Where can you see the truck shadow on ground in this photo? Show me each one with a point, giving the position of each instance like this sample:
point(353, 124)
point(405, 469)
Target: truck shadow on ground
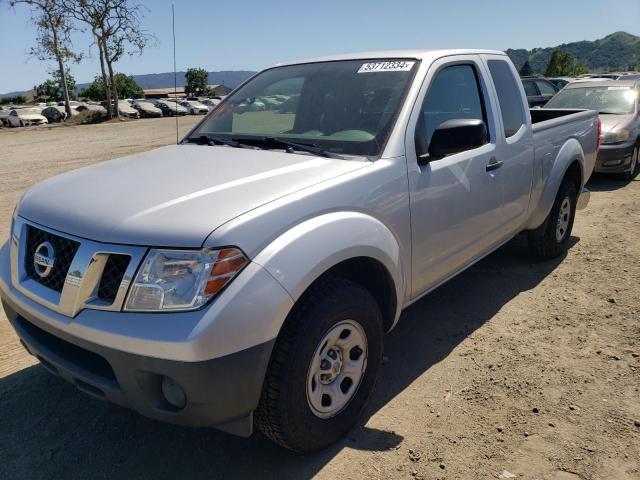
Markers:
point(600, 182)
point(51, 430)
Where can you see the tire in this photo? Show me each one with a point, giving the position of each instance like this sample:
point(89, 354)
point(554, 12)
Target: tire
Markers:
point(552, 238)
point(21, 123)
point(286, 413)
point(633, 168)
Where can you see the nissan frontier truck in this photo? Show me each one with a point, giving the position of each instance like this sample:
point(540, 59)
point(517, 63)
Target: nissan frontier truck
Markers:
point(247, 275)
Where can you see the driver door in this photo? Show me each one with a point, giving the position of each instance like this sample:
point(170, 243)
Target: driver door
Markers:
point(455, 201)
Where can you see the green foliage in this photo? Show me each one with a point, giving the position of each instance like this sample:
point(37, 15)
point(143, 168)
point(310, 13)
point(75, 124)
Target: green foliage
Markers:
point(579, 69)
point(51, 88)
point(613, 52)
point(13, 100)
point(125, 84)
point(526, 70)
point(560, 64)
point(197, 80)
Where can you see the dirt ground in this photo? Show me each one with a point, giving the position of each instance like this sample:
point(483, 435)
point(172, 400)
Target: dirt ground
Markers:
point(515, 366)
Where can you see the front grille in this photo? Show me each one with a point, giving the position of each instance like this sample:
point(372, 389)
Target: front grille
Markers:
point(65, 250)
point(112, 276)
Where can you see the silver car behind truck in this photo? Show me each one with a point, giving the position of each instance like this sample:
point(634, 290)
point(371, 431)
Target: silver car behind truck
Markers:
point(248, 275)
point(618, 102)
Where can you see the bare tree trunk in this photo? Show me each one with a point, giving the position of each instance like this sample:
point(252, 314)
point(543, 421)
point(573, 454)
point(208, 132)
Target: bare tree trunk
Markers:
point(105, 79)
point(114, 87)
point(63, 73)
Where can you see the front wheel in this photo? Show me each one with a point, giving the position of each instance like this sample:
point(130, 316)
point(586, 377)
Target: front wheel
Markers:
point(323, 368)
point(551, 239)
point(633, 168)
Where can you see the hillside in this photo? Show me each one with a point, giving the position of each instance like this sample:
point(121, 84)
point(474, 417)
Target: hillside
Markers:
point(231, 78)
point(618, 51)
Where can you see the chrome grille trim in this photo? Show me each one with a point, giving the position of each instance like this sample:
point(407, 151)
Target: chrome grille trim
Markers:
point(80, 290)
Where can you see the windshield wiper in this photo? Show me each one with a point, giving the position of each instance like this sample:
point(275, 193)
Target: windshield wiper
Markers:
point(610, 113)
point(292, 146)
point(207, 140)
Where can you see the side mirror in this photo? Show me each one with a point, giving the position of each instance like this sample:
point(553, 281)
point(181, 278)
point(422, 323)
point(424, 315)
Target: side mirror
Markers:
point(454, 136)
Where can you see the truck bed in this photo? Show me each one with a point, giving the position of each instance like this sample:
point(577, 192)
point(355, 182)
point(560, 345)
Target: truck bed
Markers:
point(542, 118)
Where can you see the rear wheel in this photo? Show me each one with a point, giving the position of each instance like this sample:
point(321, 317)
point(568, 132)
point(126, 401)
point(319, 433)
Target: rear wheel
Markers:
point(552, 238)
point(323, 368)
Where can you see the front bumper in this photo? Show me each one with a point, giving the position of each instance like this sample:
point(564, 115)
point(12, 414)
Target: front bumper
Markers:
point(614, 158)
point(218, 355)
point(222, 392)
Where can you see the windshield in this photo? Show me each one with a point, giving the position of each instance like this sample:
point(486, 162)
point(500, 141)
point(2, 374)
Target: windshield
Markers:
point(345, 107)
point(604, 99)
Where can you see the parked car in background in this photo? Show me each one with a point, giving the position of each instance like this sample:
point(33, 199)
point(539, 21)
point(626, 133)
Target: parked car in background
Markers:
point(539, 90)
point(57, 114)
point(606, 76)
point(72, 103)
point(194, 107)
point(91, 107)
point(617, 103)
point(560, 82)
point(23, 117)
point(249, 274)
point(211, 102)
point(146, 109)
point(171, 108)
point(125, 109)
point(4, 114)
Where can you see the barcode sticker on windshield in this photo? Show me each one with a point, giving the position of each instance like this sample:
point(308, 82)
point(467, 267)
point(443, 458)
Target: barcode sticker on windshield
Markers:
point(397, 66)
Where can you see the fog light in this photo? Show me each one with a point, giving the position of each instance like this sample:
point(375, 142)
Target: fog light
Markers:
point(611, 163)
point(173, 393)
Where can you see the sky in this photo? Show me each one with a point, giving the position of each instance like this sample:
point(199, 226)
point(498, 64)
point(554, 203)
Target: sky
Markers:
point(251, 35)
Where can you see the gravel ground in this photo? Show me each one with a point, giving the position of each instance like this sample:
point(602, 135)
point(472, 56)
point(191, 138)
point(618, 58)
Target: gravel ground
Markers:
point(515, 366)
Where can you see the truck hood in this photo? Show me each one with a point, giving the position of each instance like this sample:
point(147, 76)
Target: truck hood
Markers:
point(611, 122)
point(172, 196)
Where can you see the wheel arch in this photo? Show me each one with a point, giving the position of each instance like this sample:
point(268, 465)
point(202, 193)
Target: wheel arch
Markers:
point(350, 245)
point(569, 163)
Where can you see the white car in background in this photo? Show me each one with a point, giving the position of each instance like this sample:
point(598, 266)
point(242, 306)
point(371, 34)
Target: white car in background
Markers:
point(211, 102)
point(22, 117)
point(194, 107)
point(146, 109)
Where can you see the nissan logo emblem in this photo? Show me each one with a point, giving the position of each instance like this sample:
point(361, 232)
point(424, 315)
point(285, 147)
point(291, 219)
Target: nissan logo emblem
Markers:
point(43, 259)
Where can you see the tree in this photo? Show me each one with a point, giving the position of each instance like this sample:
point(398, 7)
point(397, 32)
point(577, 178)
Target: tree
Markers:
point(116, 26)
point(560, 64)
point(50, 89)
point(53, 40)
point(197, 82)
point(526, 70)
point(126, 87)
point(579, 68)
point(17, 100)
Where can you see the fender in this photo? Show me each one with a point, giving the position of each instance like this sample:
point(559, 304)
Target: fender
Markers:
point(303, 253)
point(570, 151)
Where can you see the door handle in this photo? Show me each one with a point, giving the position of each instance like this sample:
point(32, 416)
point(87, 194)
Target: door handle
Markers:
point(493, 164)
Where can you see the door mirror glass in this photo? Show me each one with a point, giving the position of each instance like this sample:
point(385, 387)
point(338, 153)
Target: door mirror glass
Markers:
point(457, 135)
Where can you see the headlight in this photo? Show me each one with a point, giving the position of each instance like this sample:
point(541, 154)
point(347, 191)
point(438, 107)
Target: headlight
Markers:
point(172, 280)
point(614, 136)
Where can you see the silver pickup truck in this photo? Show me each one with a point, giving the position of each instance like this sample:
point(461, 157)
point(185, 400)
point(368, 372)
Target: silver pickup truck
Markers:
point(247, 275)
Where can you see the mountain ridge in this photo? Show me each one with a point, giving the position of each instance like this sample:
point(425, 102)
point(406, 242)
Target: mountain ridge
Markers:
point(616, 51)
point(231, 78)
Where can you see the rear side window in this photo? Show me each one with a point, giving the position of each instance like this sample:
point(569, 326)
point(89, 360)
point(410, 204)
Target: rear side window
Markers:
point(530, 88)
point(545, 88)
point(453, 94)
point(508, 96)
